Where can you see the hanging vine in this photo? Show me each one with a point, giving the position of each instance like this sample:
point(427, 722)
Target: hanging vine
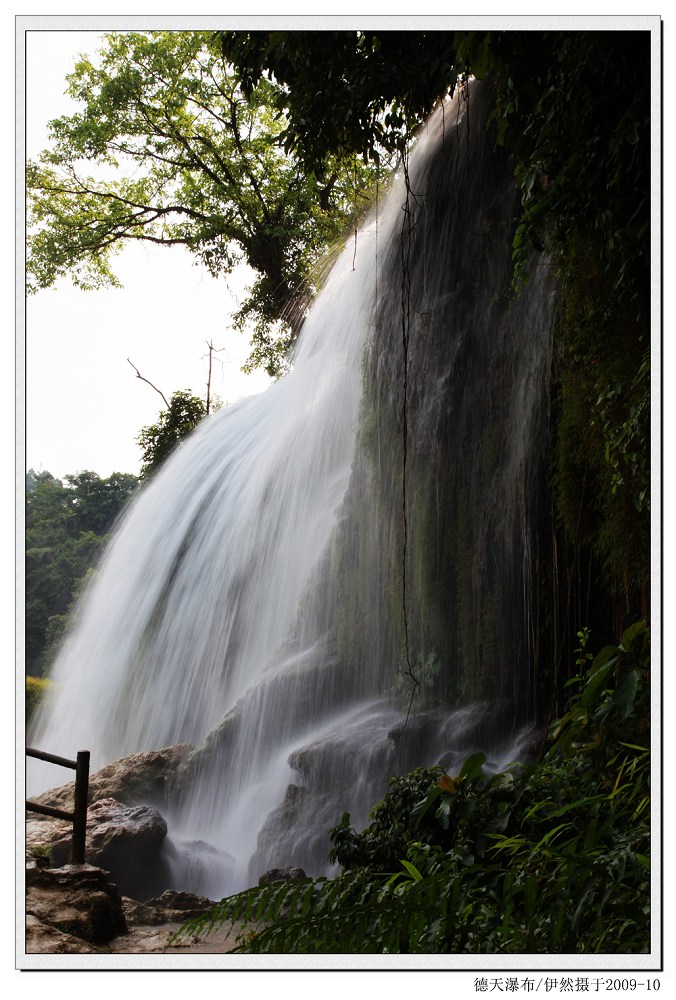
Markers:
point(406, 239)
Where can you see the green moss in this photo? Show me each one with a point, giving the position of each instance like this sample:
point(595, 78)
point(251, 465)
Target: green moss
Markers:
point(36, 689)
point(602, 470)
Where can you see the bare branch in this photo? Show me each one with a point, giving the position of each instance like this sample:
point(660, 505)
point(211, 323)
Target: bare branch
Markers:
point(212, 350)
point(143, 379)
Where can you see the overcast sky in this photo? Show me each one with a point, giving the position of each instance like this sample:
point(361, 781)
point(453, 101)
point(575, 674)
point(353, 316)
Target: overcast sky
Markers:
point(84, 404)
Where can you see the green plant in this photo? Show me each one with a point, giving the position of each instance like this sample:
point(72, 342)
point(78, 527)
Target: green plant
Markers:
point(41, 854)
point(390, 831)
point(613, 688)
point(165, 148)
point(547, 857)
point(67, 526)
point(157, 441)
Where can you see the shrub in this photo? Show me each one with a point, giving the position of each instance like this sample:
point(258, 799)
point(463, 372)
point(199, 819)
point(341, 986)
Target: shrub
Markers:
point(549, 857)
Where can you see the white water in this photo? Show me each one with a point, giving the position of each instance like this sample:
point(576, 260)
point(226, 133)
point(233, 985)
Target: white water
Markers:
point(201, 585)
point(190, 618)
point(202, 582)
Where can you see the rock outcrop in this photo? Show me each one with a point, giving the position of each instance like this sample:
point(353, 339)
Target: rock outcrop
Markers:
point(125, 831)
point(287, 874)
point(138, 779)
point(44, 939)
point(71, 906)
point(119, 901)
point(171, 907)
point(77, 910)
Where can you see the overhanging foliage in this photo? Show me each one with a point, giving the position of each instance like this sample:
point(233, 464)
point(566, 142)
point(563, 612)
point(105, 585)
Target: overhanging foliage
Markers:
point(182, 158)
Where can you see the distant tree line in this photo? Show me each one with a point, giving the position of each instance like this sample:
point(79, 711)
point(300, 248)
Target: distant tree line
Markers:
point(67, 525)
point(69, 521)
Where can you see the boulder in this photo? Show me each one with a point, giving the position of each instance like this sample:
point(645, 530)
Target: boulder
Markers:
point(127, 841)
point(138, 779)
point(287, 874)
point(41, 833)
point(278, 838)
point(77, 902)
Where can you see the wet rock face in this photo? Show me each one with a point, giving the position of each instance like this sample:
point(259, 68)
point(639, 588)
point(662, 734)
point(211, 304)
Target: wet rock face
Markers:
point(71, 908)
point(126, 841)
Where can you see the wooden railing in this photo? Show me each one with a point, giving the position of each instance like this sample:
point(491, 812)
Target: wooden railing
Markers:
point(78, 816)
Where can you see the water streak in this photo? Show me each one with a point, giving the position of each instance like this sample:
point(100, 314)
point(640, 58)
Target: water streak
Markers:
point(250, 602)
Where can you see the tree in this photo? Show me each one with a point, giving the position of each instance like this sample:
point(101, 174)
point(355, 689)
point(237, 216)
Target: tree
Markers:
point(158, 440)
point(96, 502)
point(183, 158)
point(348, 92)
point(66, 529)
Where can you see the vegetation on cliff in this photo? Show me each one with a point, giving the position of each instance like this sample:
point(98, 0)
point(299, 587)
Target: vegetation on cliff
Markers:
point(573, 110)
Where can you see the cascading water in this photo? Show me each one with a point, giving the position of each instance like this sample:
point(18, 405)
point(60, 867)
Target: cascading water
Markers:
point(252, 602)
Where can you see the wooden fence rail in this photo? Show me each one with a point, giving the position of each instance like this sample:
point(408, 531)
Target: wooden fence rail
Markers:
point(79, 814)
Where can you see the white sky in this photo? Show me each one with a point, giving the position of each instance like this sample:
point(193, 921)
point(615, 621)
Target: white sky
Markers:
point(84, 404)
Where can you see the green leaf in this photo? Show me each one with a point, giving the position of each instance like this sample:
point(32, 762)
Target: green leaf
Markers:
point(412, 870)
point(625, 693)
point(630, 635)
point(420, 808)
point(444, 812)
point(472, 768)
point(596, 681)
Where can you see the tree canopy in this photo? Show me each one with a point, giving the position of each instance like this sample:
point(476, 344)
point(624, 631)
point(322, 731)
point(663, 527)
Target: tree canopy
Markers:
point(178, 155)
point(347, 92)
point(158, 440)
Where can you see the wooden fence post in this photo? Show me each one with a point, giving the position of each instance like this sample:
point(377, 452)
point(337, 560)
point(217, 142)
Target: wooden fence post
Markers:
point(78, 817)
point(80, 808)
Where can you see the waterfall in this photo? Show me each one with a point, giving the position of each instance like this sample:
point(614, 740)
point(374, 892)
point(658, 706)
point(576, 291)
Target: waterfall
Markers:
point(252, 601)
